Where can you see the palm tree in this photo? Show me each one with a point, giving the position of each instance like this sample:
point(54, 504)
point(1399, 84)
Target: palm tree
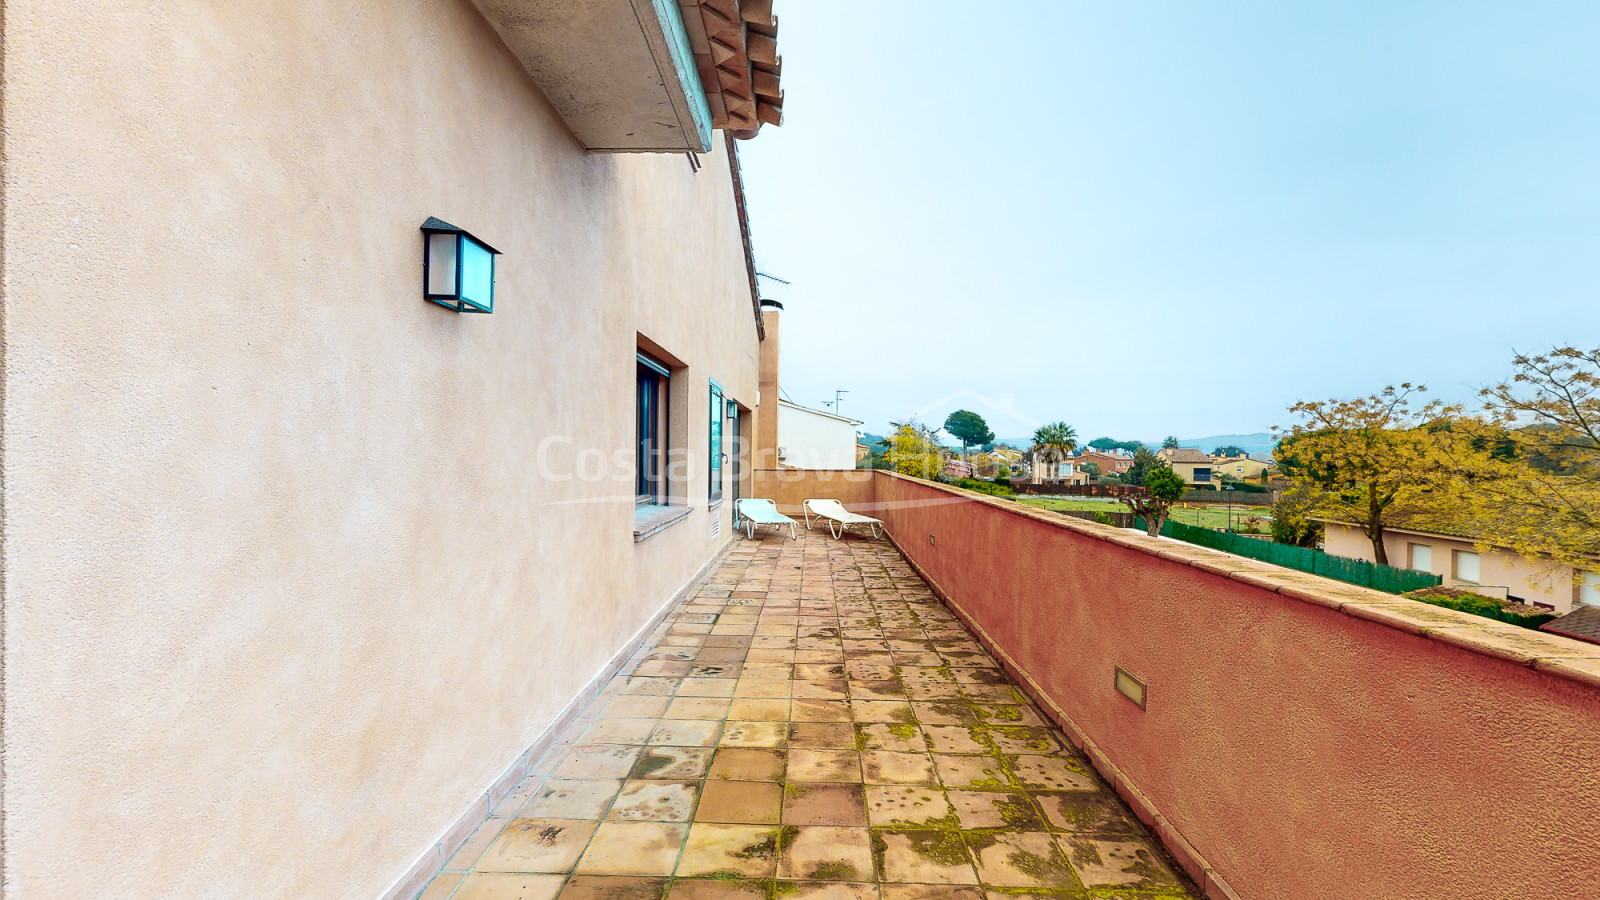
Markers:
point(1057, 436)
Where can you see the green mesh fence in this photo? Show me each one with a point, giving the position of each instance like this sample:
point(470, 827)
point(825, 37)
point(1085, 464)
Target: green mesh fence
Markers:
point(1305, 559)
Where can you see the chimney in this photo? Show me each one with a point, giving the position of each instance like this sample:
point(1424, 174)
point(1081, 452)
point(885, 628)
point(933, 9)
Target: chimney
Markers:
point(766, 436)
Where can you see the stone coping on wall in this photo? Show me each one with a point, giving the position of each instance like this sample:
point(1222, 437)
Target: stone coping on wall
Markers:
point(1559, 656)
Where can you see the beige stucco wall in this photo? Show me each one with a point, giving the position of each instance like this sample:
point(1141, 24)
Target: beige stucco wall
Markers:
point(1532, 581)
point(286, 585)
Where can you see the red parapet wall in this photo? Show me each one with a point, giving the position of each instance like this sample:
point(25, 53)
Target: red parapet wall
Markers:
point(1301, 738)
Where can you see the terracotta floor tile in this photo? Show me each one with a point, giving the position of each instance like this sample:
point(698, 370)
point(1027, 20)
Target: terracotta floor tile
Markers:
point(882, 711)
point(826, 890)
point(892, 736)
point(971, 772)
point(826, 853)
point(492, 886)
point(619, 731)
point(1121, 863)
point(597, 761)
point(957, 739)
point(996, 809)
point(747, 851)
point(824, 765)
point(759, 710)
point(932, 892)
point(908, 806)
point(1007, 714)
point(877, 690)
point(718, 889)
point(1087, 812)
point(819, 711)
point(537, 845)
point(627, 706)
point(817, 686)
point(822, 736)
point(707, 687)
point(654, 801)
point(686, 733)
point(749, 688)
point(754, 734)
point(923, 857)
point(741, 764)
point(824, 804)
point(467, 855)
point(945, 712)
point(884, 767)
point(654, 687)
point(698, 708)
point(740, 802)
point(1023, 859)
point(441, 886)
point(633, 848)
point(1053, 773)
point(614, 887)
point(1025, 739)
point(820, 690)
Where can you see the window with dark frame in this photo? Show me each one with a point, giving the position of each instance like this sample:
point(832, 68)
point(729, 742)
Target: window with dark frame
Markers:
point(715, 444)
point(652, 430)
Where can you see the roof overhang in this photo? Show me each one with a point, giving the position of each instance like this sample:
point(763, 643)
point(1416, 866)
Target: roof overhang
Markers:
point(648, 76)
point(620, 72)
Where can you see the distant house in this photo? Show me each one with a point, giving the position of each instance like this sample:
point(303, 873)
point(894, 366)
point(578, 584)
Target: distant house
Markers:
point(1493, 571)
point(812, 439)
point(955, 467)
point(1192, 465)
point(1051, 466)
point(1238, 468)
point(1110, 463)
point(862, 451)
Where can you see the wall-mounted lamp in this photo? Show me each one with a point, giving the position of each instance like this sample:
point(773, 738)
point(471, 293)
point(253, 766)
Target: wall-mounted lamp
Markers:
point(1129, 686)
point(457, 268)
point(733, 408)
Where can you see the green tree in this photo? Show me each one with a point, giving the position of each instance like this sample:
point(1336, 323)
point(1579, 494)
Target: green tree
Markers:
point(1106, 445)
point(914, 450)
point(1171, 443)
point(1290, 522)
point(1143, 463)
point(1058, 436)
point(969, 428)
point(1092, 469)
point(1543, 433)
point(1163, 488)
point(1229, 450)
point(1375, 460)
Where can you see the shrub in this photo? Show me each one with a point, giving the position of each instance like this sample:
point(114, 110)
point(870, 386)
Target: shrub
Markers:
point(1479, 605)
point(986, 487)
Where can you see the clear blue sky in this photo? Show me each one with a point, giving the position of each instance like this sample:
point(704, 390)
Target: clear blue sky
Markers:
point(1174, 217)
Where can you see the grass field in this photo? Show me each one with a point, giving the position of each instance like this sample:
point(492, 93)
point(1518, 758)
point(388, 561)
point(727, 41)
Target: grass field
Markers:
point(1057, 504)
point(1217, 516)
point(1203, 516)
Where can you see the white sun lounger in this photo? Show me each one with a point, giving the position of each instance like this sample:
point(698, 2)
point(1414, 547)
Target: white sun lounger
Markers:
point(763, 512)
point(839, 519)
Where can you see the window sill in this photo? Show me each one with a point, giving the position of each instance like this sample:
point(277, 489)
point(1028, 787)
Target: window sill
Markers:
point(715, 505)
point(649, 520)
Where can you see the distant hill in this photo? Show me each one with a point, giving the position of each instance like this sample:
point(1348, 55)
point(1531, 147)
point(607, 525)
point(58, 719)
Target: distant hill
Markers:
point(1260, 442)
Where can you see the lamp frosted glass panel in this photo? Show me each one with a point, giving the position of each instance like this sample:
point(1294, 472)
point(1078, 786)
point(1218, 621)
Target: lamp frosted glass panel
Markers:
point(477, 275)
point(1422, 557)
point(1466, 566)
point(441, 265)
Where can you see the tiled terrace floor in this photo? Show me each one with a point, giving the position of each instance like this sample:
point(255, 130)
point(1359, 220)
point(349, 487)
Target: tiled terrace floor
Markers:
point(812, 723)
